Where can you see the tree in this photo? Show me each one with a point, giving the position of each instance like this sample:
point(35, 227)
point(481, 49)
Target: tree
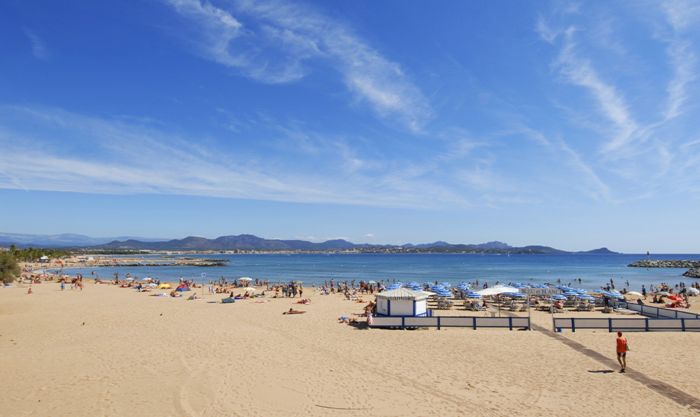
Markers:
point(9, 268)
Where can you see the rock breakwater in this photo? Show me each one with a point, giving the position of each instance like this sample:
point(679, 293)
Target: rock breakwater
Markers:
point(692, 266)
point(692, 273)
point(664, 263)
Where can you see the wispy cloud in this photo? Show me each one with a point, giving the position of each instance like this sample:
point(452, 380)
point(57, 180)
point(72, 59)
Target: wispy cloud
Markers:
point(594, 185)
point(276, 42)
point(38, 47)
point(119, 157)
point(580, 71)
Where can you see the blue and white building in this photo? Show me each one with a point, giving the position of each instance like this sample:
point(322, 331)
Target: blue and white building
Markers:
point(402, 302)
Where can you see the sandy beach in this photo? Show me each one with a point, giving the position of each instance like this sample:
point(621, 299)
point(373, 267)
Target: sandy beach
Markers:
point(109, 351)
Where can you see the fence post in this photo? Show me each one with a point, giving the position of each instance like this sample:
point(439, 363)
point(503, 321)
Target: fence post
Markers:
point(474, 322)
point(510, 323)
point(438, 322)
point(683, 324)
point(403, 322)
point(646, 324)
point(609, 325)
point(573, 325)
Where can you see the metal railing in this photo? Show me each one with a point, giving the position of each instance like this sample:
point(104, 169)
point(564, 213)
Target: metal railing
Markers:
point(645, 324)
point(658, 312)
point(440, 322)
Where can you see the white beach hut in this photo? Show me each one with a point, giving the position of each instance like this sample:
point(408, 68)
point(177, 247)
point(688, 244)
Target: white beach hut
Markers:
point(402, 302)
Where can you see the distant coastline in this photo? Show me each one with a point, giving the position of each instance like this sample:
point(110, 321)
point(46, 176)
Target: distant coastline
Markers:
point(247, 244)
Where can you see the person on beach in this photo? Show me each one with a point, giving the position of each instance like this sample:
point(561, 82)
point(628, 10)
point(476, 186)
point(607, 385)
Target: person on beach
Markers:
point(622, 348)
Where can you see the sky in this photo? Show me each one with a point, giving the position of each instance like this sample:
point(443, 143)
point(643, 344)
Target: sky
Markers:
point(570, 124)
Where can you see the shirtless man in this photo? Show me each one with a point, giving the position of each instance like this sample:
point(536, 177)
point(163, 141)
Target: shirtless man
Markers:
point(622, 348)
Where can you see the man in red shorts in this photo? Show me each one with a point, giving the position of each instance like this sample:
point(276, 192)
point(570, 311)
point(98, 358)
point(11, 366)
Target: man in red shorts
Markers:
point(622, 348)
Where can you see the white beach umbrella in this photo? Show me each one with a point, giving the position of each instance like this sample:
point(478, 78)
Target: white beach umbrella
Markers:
point(245, 279)
point(693, 291)
point(499, 289)
point(633, 294)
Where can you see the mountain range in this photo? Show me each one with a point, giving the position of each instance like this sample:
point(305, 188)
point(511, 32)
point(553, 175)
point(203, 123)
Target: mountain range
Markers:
point(246, 242)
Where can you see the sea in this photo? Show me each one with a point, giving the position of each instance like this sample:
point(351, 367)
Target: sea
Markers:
point(593, 270)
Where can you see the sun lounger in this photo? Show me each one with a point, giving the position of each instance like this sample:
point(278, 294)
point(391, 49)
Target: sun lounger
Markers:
point(625, 311)
point(544, 306)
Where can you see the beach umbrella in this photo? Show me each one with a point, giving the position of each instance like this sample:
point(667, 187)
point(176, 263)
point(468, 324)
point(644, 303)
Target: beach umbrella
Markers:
point(129, 279)
point(248, 279)
point(586, 297)
point(446, 284)
point(633, 294)
point(693, 291)
point(472, 294)
point(499, 289)
point(371, 282)
point(558, 297)
point(514, 295)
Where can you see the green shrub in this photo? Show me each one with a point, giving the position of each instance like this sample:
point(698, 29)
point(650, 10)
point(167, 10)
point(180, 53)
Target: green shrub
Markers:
point(9, 268)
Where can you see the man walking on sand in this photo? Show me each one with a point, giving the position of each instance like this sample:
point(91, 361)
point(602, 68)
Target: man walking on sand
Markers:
point(622, 348)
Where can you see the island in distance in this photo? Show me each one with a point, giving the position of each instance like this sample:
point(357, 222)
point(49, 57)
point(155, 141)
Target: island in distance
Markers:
point(247, 242)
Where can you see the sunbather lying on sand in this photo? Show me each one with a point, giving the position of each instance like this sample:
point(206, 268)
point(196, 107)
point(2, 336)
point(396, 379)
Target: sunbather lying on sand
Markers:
point(292, 311)
point(347, 320)
point(304, 301)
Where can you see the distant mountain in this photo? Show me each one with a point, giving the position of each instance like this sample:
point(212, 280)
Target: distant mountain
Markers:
point(59, 240)
point(247, 242)
point(601, 251)
point(238, 242)
point(251, 242)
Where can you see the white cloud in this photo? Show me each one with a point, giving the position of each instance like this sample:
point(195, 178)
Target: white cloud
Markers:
point(545, 32)
point(38, 47)
point(682, 14)
point(274, 42)
point(118, 157)
point(611, 104)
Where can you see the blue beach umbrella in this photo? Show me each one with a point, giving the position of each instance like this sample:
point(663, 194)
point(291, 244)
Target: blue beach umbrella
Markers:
point(558, 297)
point(514, 295)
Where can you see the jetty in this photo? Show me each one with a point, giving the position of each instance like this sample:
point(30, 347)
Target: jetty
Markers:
point(693, 267)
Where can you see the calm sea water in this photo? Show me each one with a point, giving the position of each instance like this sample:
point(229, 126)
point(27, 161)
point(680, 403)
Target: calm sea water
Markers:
point(594, 270)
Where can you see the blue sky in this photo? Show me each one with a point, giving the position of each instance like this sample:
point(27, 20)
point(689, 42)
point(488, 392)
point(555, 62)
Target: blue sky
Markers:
point(568, 124)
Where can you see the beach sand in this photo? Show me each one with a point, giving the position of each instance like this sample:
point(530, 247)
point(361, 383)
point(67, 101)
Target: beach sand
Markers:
point(108, 351)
